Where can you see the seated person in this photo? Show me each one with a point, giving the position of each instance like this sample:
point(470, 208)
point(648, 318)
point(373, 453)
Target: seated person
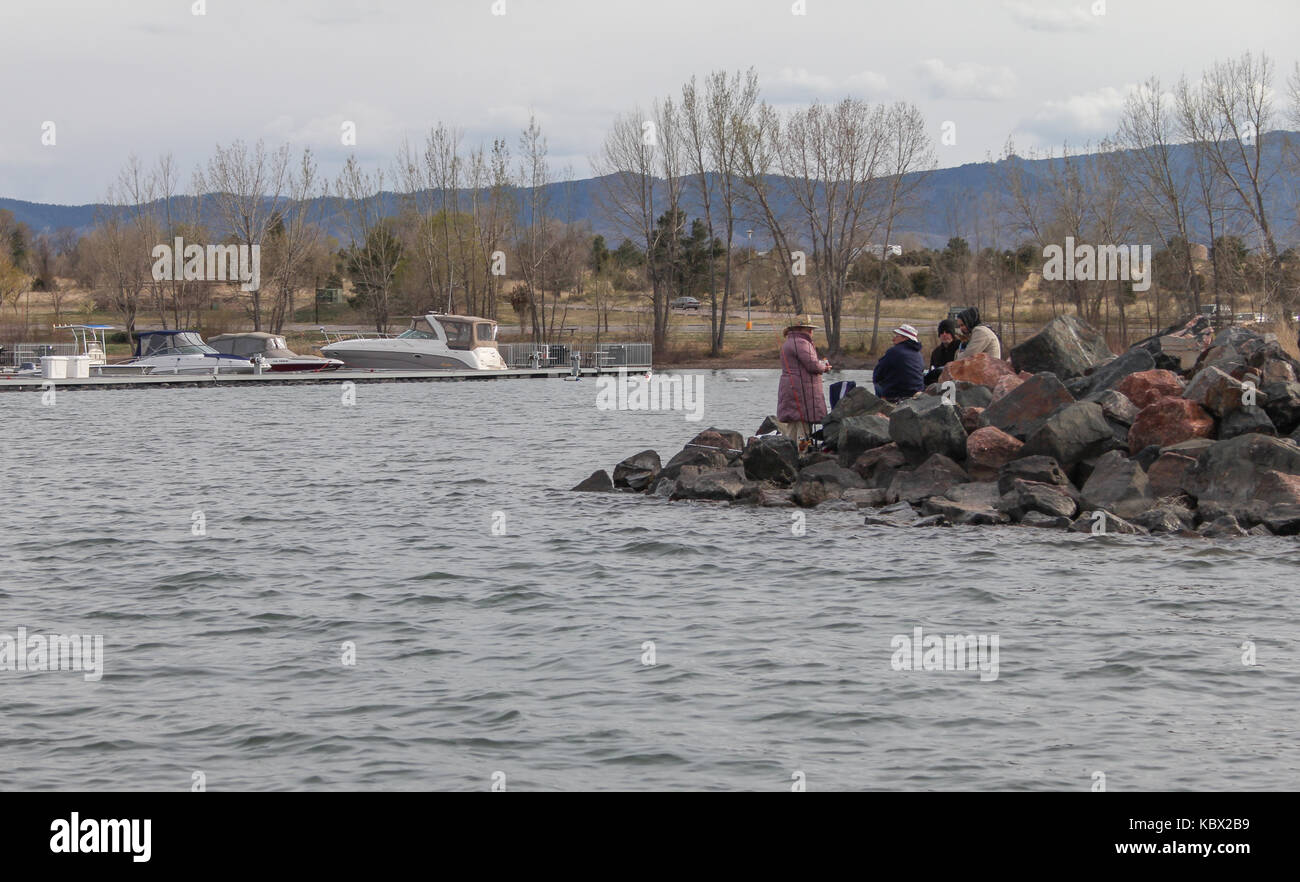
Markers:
point(900, 371)
point(945, 352)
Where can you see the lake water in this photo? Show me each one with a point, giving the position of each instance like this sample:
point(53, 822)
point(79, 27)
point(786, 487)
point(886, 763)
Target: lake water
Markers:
point(522, 654)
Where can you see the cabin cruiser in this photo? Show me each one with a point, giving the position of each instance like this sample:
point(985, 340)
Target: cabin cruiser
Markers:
point(184, 352)
point(272, 350)
point(92, 341)
point(432, 342)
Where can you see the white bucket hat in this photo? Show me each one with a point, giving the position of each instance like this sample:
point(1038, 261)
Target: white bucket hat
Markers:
point(909, 332)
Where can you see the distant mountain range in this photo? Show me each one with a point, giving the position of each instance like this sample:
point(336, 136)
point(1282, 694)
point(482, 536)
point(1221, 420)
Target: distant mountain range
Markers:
point(949, 202)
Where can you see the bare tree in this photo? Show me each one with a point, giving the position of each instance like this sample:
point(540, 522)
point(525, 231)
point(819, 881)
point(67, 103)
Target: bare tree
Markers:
point(373, 255)
point(295, 238)
point(247, 188)
point(908, 156)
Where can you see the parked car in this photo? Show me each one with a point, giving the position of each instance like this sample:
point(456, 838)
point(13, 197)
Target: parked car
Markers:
point(686, 303)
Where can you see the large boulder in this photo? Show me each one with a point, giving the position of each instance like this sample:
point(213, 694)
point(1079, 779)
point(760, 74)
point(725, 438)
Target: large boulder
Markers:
point(972, 503)
point(1170, 517)
point(704, 457)
point(1005, 385)
point(1072, 433)
point(1281, 402)
point(878, 465)
point(1025, 496)
point(724, 440)
point(932, 478)
point(988, 450)
point(1023, 409)
point(1231, 471)
point(1177, 347)
point(981, 368)
point(1169, 421)
point(1066, 346)
point(825, 480)
point(1118, 484)
point(926, 425)
point(858, 401)
point(1116, 406)
point(1244, 420)
point(599, 482)
point(858, 434)
point(638, 471)
point(1112, 372)
point(1038, 469)
point(772, 458)
point(718, 485)
point(1167, 476)
point(1148, 387)
point(1215, 391)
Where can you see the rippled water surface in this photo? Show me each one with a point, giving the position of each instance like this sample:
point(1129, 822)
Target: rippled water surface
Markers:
point(522, 653)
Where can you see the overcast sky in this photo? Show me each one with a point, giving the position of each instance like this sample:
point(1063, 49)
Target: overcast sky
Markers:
point(151, 77)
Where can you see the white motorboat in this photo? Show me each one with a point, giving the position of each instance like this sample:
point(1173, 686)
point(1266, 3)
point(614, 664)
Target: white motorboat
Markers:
point(92, 340)
point(184, 352)
point(432, 342)
point(273, 351)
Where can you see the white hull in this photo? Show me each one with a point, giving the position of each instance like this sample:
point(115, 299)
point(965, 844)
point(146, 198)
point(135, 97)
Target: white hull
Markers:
point(412, 355)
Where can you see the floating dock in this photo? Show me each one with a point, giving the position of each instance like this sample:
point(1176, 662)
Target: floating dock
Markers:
point(295, 378)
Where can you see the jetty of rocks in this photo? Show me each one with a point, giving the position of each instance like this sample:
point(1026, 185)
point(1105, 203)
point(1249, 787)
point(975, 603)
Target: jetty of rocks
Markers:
point(1189, 431)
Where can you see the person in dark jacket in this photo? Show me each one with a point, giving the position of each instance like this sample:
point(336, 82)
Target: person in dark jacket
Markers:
point(900, 372)
point(945, 352)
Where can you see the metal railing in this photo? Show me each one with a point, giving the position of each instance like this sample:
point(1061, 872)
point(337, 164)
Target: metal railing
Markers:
point(15, 354)
point(549, 355)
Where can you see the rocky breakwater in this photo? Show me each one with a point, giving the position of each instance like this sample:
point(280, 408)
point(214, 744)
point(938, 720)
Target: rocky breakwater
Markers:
point(1189, 432)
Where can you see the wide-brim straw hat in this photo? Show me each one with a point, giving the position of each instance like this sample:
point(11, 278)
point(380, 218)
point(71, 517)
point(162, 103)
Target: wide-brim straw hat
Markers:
point(801, 321)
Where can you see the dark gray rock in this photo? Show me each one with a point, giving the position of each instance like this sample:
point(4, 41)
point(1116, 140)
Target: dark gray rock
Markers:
point(1245, 420)
point(1027, 496)
point(716, 485)
point(700, 457)
point(924, 426)
point(1107, 524)
point(1024, 408)
point(1170, 518)
point(599, 482)
point(1116, 406)
point(858, 434)
point(878, 465)
point(1071, 433)
point(1039, 519)
point(1231, 471)
point(1223, 527)
point(775, 497)
point(931, 478)
point(1038, 469)
point(1118, 485)
point(1108, 375)
point(1066, 346)
point(871, 497)
point(638, 471)
point(1282, 405)
point(771, 458)
point(823, 481)
point(1282, 520)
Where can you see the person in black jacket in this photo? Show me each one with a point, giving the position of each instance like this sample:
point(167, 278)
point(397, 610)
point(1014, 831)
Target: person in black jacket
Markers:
point(945, 352)
point(900, 372)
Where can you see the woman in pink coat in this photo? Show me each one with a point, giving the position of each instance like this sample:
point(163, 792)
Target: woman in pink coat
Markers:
point(800, 402)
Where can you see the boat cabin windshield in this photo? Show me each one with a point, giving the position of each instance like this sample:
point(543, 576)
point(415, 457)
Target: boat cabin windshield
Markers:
point(184, 343)
point(419, 330)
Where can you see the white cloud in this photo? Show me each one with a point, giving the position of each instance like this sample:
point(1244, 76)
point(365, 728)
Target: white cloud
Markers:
point(800, 84)
point(867, 82)
point(1089, 116)
point(1039, 17)
point(976, 81)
